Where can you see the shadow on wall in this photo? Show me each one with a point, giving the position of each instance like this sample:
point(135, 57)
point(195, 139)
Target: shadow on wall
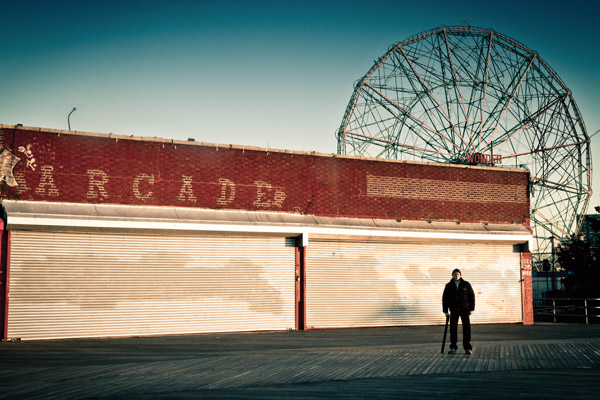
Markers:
point(348, 290)
point(92, 280)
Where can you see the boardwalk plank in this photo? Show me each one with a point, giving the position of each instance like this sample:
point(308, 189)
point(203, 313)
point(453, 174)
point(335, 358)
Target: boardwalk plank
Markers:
point(257, 368)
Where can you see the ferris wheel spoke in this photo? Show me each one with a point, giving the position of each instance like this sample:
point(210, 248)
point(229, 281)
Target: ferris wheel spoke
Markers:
point(497, 90)
point(457, 87)
point(487, 72)
point(431, 111)
point(476, 88)
point(556, 159)
point(435, 69)
point(559, 186)
point(509, 101)
point(544, 149)
point(382, 101)
point(553, 223)
point(527, 121)
point(428, 90)
point(380, 63)
point(411, 116)
point(350, 112)
point(395, 143)
point(374, 118)
point(556, 210)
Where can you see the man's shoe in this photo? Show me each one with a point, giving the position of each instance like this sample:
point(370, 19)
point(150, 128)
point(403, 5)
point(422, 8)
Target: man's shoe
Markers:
point(469, 352)
point(452, 351)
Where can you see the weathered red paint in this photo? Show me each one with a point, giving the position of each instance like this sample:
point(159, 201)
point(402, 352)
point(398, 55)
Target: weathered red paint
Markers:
point(527, 288)
point(95, 168)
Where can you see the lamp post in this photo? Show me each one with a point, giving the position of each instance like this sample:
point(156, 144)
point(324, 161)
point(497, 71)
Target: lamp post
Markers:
point(552, 265)
point(69, 117)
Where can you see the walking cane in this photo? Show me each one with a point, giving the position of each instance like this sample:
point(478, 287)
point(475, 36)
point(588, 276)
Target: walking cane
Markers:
point(445, 332)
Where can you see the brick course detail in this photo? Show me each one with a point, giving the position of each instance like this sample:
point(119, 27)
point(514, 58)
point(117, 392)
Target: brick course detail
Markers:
point(410, 188)
point(46, 165)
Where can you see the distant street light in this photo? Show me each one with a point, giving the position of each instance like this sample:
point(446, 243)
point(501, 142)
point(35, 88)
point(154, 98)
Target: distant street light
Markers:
point(69, 117)
point(553, 266)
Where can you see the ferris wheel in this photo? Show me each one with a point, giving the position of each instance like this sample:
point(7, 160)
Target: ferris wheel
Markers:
point(464, 94)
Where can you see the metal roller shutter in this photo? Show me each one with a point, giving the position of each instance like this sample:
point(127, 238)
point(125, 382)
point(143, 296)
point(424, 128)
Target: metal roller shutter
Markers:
point(95, 284)
point(360, 284)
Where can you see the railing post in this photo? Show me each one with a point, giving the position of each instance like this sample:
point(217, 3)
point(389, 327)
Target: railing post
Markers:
point(585, 310)
point(554, 310)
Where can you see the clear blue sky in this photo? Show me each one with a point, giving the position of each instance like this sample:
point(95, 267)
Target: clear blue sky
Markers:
point(259, 73)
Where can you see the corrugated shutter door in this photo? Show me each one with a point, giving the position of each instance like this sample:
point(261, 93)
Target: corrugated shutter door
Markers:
point(359, 284)
point(93, 284)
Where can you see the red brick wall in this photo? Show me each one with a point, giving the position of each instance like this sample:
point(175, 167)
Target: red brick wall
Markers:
point(91, 168)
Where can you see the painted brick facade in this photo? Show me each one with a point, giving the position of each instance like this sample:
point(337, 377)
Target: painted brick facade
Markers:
point(46, 165)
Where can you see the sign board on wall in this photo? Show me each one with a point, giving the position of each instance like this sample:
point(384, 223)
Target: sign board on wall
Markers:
point(46, 165)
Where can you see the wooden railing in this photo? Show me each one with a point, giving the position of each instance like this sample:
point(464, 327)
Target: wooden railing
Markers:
point(567, 309)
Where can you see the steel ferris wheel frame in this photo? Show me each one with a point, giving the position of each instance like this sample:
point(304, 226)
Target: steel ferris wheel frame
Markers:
point(473, 95)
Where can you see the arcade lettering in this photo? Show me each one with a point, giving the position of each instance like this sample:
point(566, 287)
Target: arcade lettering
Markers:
point(186, 193)
point(136, 186)
point(266, 196)
point(98, 183)
point(47, 186)
point(227, 191)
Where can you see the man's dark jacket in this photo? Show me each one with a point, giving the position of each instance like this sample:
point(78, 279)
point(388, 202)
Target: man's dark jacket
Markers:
point(462, 299)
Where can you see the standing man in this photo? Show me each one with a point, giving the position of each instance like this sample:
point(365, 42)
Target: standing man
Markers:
point(459, 299)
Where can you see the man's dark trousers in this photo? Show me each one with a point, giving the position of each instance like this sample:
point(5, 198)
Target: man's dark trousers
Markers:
point(466, 322)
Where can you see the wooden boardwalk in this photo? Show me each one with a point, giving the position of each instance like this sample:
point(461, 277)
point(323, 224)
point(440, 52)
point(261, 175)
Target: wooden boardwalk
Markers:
point(130, 374)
